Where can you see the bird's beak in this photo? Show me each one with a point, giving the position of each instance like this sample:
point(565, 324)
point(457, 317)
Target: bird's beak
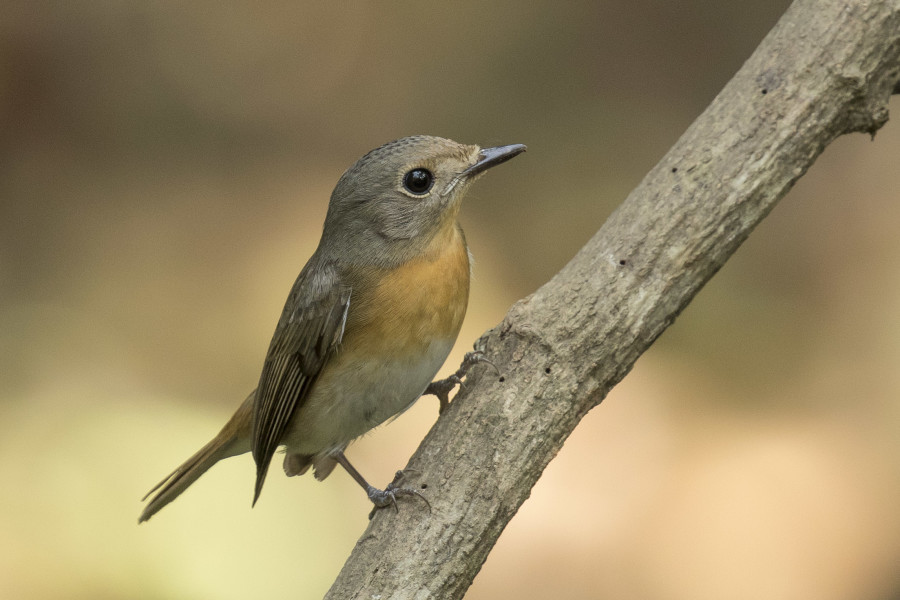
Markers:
point(491, 157)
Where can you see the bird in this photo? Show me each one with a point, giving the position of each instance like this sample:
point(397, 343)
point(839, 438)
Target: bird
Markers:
point(368, 322)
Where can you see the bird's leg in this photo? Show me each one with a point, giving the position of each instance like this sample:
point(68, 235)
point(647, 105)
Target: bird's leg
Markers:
point(380, 498)
point(442, 387)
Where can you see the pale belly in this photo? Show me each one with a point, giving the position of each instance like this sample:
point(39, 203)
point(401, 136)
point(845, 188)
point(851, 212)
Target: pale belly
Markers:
point(361, 392)
point(401, 325)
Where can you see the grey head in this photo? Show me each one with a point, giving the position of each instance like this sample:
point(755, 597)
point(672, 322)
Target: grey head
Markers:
point(390, 204)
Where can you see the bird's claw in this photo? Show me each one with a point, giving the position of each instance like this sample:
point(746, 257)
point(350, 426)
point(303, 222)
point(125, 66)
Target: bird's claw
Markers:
point(388, 496)
point(473, 358)
point(442, 387)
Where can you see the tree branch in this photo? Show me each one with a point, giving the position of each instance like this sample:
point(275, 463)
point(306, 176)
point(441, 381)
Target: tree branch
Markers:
point(826, 69)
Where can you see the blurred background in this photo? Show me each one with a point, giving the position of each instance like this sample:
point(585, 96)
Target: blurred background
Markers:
point(164, 172)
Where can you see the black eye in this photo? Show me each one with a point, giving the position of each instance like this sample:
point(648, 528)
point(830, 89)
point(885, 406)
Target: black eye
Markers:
point(418, 181)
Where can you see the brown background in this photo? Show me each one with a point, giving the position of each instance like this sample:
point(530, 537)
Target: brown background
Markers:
point(164, 172)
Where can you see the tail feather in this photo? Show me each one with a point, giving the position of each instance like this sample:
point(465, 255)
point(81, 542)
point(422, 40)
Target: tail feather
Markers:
point(232, 440)
point(179, 480)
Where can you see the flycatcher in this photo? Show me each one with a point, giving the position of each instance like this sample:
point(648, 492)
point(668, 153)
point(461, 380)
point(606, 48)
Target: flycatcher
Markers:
point(369, 321)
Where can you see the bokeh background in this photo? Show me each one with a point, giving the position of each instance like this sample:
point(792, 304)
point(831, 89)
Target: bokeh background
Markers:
point(164, 172)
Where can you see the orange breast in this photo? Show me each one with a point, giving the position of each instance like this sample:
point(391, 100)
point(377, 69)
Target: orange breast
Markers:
point(404, 309)
point(401, 324)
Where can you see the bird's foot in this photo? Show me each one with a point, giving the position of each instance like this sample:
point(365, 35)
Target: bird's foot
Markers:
point(388, 496)
point(442, 387)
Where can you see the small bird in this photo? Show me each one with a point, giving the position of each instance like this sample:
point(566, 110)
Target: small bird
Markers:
point(368, 322)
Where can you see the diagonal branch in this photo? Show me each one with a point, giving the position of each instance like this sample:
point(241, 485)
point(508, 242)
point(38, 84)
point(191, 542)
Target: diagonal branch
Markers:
point(826, 69)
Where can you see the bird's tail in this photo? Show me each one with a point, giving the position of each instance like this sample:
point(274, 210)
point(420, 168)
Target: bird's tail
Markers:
point(232, 440)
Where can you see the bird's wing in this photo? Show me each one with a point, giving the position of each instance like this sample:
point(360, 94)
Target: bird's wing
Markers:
point(310, 328)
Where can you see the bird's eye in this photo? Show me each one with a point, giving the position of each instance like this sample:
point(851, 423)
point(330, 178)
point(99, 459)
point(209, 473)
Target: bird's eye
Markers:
point(418, 181)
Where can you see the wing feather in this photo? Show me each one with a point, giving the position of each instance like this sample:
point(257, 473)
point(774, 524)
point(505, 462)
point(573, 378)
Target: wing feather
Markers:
point(310, 329)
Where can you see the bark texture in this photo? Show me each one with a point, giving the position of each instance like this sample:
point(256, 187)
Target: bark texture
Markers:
point(827, 68)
